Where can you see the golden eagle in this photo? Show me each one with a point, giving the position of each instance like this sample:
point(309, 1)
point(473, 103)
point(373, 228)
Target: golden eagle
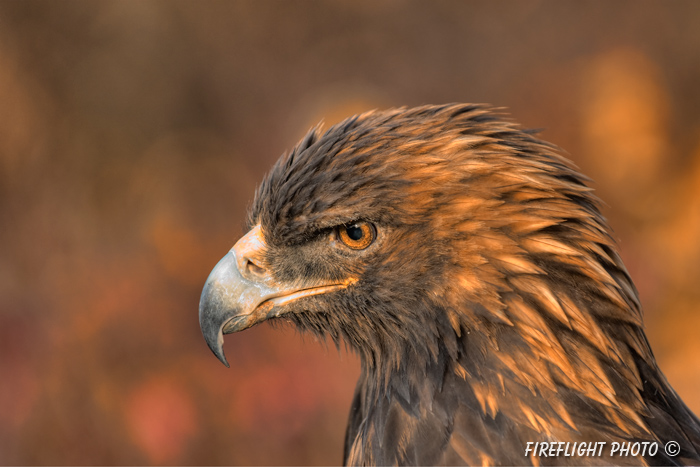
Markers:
point(468, 265)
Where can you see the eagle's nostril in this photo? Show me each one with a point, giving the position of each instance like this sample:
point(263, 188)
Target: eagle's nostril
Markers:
point(254, 269)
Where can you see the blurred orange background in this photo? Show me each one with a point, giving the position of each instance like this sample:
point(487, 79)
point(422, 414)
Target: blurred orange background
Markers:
point(132, 136)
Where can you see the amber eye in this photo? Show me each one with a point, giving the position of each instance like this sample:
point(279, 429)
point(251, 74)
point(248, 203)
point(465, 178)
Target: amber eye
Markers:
point(357, 236)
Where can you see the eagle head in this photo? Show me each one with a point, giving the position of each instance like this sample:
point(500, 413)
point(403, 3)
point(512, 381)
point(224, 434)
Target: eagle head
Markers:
point(468, 264)
point(398, 231)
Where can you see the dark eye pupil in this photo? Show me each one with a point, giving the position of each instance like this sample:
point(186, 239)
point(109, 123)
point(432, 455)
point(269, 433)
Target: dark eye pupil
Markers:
point(354, 232)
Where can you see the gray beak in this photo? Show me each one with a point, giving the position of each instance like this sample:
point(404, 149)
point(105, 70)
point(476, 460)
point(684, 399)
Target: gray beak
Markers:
point(241, 292)
point(229, 300)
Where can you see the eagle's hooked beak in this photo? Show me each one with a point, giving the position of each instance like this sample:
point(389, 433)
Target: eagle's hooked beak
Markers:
point(240, 292)
point(233, 291)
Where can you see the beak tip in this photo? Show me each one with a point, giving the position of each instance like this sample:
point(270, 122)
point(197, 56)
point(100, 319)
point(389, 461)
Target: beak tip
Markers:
point(214, 337)
point(218, 350)
point(222, 358)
